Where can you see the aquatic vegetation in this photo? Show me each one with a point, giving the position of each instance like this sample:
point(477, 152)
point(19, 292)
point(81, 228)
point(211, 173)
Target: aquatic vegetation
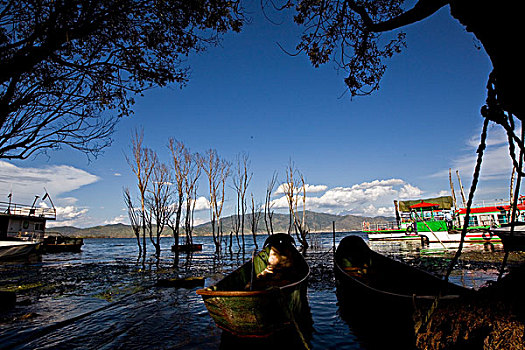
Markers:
point(21, 287)
point(117, 292)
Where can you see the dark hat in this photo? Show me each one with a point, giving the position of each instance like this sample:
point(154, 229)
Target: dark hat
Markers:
point(280, 241)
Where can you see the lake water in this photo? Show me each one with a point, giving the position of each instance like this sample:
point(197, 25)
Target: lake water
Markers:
point(103, 298)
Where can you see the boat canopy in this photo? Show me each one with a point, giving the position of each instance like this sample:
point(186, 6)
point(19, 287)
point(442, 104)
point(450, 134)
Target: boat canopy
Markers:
point(443, 203)
point(424, 205)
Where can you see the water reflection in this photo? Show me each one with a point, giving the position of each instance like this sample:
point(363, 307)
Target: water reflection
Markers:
point(372, 328)
point(101, 298)
point(480, 268)
point(287, 339)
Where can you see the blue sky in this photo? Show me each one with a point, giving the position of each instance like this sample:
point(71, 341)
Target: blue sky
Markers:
point(248, 96)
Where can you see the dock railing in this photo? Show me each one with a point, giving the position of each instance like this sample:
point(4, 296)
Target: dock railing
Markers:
point(368, 226)
point(27, 210)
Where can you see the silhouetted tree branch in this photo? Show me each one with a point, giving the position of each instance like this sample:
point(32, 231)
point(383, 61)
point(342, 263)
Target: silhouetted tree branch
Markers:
point(141, 162)
point(360, 35)
point(70, 69)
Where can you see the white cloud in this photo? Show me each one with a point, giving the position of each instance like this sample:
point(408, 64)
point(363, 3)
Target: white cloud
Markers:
point(315, 188)
point(496, 136)
point(360, 193)
point(409, 191)
point(26, 183)
point(70, 212)
point(68, 200)
point(280, 203)
point(309, 188)
point(199, 221)
point(202, 204)
point(121, 219)
point(496, 163)
point(69, 216)
point(368, 198)
point(371, 210)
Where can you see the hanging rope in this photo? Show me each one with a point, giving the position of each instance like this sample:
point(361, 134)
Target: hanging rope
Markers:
point(496, 113)
point(487, 113)
point(493, 111)
point(481, 148)
point(514, 207)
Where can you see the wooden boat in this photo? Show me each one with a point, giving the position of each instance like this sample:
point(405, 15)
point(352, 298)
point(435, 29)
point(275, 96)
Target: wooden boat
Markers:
point(186, 247)
point(260, 312)
point(375, 292)
point(513, 240)
point(18, 250)
point(385, 278)
point(59, 243)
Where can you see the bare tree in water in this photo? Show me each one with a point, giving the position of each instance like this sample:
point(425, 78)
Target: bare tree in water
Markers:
point(291, 189)
point(141, 163)
point(194, 162)
point(159, 202)
point(241, 180)
point(256, 210)
point(268, 205)
point(135, 216)
point(236, 226)
point(180, 167)
point(217, 171)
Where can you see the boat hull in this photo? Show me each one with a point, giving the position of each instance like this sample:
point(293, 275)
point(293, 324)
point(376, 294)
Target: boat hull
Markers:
point(59, 244)
point(259, 313)
point(512, 241)
point(18, 250)
point(398, 235)
point(472, 236)
point(387, 295)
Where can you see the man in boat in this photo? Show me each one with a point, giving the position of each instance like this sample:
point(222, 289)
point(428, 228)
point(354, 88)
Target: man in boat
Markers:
point(279, 271)
point(357, 262)
point(448, 220)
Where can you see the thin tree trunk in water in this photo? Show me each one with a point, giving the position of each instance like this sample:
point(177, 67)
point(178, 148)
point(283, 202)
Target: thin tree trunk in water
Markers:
point(231, 243)
point(138, 244)
point(144, 240)
point(176, 260)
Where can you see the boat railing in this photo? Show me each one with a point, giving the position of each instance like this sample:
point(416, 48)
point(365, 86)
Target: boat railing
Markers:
point(27, 210)
point(367, 226)
point(493, 203)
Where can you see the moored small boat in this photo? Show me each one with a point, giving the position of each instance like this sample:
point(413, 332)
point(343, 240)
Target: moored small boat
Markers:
point(245, 308)
point(383, 278)
point(377, 292)
point(58, 243)
point(512, 236)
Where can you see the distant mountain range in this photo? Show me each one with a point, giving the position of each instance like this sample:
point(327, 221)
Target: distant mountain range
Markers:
point(317, 222)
